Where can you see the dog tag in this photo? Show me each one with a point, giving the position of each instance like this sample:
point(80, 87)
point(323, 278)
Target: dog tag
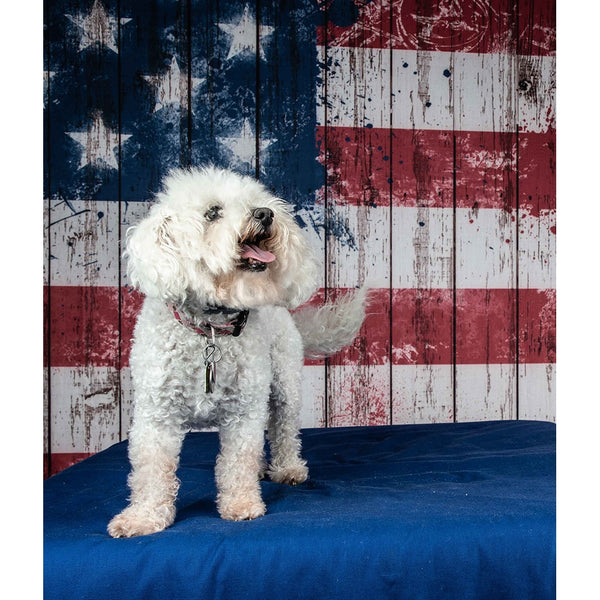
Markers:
point(210, 378)
point(212, 355)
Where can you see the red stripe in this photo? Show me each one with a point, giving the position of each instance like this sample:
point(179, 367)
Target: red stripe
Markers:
point(358, 164)
point(422, 327)
point(361, 163)
point(131, 304)
point(486, 326)
point(537, 172)
point(478, 26)
point(59, 461)
point(537, 27)
point(537, 326)
point(84, 326)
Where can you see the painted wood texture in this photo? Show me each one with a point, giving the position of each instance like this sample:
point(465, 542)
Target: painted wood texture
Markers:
point(415, 139)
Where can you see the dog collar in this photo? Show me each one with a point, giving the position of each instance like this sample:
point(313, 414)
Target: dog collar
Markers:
point(233, 327)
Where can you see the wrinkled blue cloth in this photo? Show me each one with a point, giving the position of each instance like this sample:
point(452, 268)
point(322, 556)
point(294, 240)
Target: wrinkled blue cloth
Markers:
point(443, 511)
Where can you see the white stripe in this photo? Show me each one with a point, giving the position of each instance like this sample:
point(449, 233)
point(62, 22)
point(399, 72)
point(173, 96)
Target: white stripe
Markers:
point(436, 90)
point(422, 248)
point(485, 248)
point(358, 246)
point(537, 250)
point(486, 392)
point(84, 247)
point(312, 413)
point(84, 408)
point(422, 394)
point(537, 392)
point(83, 243)
point(358, 91)
point(358, 395)
point(127, 399)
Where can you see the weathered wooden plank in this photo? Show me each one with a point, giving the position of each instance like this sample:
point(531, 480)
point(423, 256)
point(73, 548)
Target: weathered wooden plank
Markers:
point(84, 142)
point(537, 391)
point(130, 306)
point(422, 337)
point(84, 241)
point(157, 88)
point(537, 203)
point(423, 250)
point(287, 70)
point(358, 230)
point(46, 249)
point(422, 393)
point(84, 100)
point(85, 409)
point(484, 98)
point(224, 49)
point(485, 392)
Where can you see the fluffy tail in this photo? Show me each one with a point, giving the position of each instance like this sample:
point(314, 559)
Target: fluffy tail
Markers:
point(328, 328)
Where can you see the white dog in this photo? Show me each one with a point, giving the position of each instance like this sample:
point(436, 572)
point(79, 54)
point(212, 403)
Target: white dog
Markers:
point(220, 261)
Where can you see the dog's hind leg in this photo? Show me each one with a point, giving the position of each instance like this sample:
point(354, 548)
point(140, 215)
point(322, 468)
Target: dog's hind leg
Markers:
point(287, 465)
point(154, 456)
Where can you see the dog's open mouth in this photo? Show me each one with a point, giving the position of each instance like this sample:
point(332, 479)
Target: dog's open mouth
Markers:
point(254, 258)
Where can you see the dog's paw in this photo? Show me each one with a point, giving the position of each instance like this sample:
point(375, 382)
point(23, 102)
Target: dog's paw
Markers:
point(241, 509)
point(133, 521)
point(292, 475)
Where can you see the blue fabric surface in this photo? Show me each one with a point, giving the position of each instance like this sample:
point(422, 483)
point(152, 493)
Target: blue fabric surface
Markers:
point(444, 511)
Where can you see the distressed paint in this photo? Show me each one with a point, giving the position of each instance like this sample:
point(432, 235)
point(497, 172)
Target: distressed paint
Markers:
point(537, 206)
point(84, 242)
point(359, 393)
point(430, 106)
point(422, 326)
point(85, 409)
point(287, 68)
point(156, 87)
point(82, 233)
point(484, 99)
point(416, 141)
point(224, 45)
point(424, 253)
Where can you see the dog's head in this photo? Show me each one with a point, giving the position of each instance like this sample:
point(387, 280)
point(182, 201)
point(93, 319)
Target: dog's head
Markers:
point(215, 237)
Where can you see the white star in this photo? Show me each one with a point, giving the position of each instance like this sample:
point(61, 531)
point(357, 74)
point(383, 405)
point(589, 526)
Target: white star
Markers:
point(244, 35)
point(171, 86)
point(97, 27)
point(98, 143)
point(244, 146)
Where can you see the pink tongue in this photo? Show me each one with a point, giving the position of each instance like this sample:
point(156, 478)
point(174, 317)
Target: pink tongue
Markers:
point(251, 251)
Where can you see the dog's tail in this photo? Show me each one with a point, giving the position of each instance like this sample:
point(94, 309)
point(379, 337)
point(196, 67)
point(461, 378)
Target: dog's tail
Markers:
point(328, 328)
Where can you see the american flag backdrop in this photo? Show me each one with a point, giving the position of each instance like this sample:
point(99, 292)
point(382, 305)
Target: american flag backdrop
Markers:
point(416, 140)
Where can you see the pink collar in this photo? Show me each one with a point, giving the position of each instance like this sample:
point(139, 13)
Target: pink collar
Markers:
point(233, 327)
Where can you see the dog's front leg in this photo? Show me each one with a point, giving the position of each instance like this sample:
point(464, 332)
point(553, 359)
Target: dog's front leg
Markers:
point(154, 456)
point(238, 469)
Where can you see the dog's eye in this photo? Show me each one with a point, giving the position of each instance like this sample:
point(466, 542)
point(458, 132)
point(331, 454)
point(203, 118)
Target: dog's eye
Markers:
point(213, 213)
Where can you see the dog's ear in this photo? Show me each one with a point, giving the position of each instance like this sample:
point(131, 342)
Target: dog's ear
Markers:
point(153, 264)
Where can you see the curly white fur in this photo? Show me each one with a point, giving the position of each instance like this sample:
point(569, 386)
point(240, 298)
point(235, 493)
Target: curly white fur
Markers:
point(182, 255)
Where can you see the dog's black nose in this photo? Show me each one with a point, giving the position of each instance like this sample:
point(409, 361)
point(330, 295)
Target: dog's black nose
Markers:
point(264, 215)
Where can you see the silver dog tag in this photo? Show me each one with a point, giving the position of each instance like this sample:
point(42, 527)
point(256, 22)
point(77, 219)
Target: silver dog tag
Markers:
point(210, 378)
point(212, 355)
